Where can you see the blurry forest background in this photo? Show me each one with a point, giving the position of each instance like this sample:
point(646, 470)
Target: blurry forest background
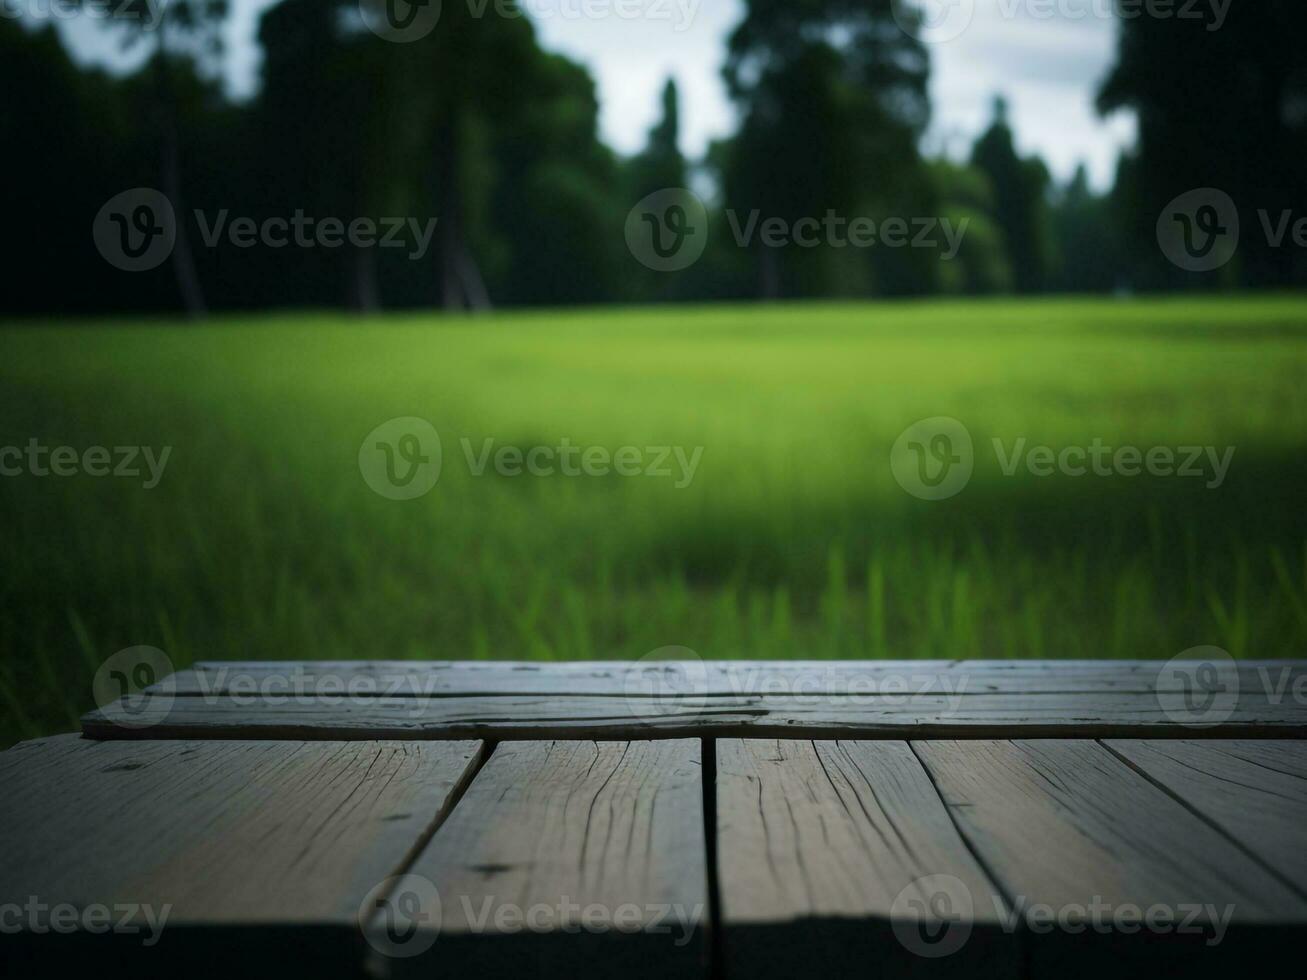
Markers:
point(479, 126)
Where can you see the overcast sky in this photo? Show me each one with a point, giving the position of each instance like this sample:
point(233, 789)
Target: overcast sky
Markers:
point(1048, 65)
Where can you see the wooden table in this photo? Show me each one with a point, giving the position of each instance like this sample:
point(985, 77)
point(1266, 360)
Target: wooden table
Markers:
point(653, 819)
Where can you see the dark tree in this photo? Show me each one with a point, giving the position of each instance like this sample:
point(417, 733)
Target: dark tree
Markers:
point(981, 265)
point(833, 99)
point(1088, 259)
point(1020, 201)
point(330, 127)
point(661, 165)
point(181, 34)
point(1220, 108)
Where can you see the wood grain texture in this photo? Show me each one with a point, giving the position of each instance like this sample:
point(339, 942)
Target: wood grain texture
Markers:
point(1065, 827)
point(984, 716)
point(1254, 791)
point(561, 834)
point(827, 854)
point(280, 840)
point(409, 678)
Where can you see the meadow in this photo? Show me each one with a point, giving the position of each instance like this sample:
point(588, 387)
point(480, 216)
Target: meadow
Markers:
point(793, 539)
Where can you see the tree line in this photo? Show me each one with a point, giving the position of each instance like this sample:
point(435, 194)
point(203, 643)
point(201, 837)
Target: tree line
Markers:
point(477, 125)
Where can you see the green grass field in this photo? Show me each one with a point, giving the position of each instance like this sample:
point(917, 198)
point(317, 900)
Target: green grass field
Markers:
point(262, 539)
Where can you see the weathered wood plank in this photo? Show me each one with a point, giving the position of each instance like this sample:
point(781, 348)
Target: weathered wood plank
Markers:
point(1070, 833)
point(831, 856)
point(577, 678)
point(569, 859)
point(407, 678)
point(815, 716)
point(1255, 791)
point(215, 836)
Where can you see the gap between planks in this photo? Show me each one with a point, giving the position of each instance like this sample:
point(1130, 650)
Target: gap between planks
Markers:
point(1253, 843)
point(543, 718)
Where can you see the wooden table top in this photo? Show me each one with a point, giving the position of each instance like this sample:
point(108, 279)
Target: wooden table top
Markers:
point(722, 819)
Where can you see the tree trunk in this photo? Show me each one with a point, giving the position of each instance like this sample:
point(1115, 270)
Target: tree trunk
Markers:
point(366, 296)
point(461, 284)
point(451, 283)
point(769, 274)
point(474, 287)
point(183, 260)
